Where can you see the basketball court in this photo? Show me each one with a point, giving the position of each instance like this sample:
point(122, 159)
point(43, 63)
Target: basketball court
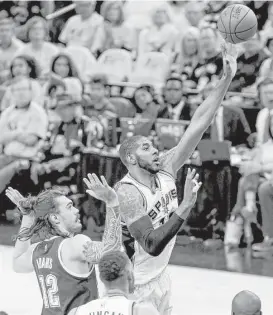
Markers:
point(195, 291)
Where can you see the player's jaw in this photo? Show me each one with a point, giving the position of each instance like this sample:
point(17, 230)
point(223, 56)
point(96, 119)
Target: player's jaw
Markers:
point(149, 163)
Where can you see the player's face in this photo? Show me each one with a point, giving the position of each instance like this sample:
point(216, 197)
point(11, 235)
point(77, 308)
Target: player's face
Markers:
point(69, 215)
point(266, 95)
point(147, 156)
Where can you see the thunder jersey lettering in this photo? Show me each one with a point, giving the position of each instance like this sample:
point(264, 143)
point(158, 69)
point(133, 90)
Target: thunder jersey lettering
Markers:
point(114, 305)
point(159, 206)
point(61, 289)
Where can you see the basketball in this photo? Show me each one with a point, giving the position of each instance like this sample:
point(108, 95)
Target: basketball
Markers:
point(237, 23)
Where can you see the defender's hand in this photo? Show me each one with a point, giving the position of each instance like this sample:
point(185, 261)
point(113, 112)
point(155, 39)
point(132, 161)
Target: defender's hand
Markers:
point(15, 197)
point(191, 188)
point(101, 190)
point(230, 54)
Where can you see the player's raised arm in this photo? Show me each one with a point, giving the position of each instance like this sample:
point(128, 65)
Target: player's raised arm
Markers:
point(82, 245)
point(133, 212)
point(204, 114)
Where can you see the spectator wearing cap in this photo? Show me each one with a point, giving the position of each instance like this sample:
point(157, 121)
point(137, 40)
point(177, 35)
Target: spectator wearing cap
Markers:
point(146, 102)
point(210, 66)
point(9, 46)
point(116, 33)
point(38, 46)
point(175, 107)
point(161, 36)
point(85, 28)
point(249, 64)
point(24, 67)
point(246, 303)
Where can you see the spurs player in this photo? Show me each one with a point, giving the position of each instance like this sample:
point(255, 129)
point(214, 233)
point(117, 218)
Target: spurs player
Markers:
point(148, 197)
point(116, 272)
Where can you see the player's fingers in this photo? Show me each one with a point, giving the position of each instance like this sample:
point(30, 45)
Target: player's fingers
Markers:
point(196, 177)
point(96, 179)
point(104, 181)
point(197, 187)
point(188, 172)
point(193, 172)
point(91, 179)
point(87, 183)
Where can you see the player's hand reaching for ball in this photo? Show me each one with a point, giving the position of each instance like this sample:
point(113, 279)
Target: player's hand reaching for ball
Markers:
point(192, 185)
point(230, 54)
point(100, 189)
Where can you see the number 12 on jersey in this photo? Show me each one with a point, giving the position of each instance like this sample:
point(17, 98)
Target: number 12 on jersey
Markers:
point(49, 286)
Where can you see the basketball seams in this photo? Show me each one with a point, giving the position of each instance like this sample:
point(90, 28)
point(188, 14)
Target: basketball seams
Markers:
point(240, 31)
point(230, 16)
point(241, 21)
point(245, 31)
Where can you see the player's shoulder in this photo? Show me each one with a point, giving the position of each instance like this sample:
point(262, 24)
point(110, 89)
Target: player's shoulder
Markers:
point(75, 243)
point(126, 190)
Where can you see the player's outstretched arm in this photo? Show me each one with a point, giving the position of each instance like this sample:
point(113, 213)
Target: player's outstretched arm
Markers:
point(203, 116)
point(133, 212)
point(22, 255)
point(91, 251)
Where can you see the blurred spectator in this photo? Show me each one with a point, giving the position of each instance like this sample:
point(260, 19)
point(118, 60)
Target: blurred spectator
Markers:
point(116, 33)
point(265, 93)
point(266, 69)
point(97, 106)
point(175, 106)
point(9, 46)
point(189, 55)
point(85, 28)
point(230, 123)
point(23, 128)
point(246, 302)
point(212, 13)
point(210, 66)
point(145, 102)
point(38, 47)
point(249, 64)
point(261, 10)
point(268, 26)
point(20, 68)
point(161, 36)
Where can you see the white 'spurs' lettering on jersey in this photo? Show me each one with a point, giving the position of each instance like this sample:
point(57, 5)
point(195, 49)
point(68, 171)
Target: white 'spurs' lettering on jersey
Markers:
point(159, 206)
point(114, 305)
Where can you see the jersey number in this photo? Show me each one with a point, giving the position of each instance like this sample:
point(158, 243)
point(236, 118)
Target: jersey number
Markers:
point(49, 287)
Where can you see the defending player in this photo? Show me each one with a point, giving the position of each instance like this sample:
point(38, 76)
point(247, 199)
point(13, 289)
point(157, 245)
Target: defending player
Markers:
point(116, 272)
point(63, 261)
point(148, 197)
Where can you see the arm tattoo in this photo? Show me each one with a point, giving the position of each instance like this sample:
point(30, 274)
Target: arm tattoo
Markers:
point(132, 205)
point(112, 237)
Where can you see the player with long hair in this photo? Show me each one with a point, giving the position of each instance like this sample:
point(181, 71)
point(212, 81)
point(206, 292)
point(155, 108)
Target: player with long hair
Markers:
point(63, 259)
point(148, 196)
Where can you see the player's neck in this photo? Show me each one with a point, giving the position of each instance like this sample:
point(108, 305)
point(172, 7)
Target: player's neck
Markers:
point(117, 292)
point(144, 177)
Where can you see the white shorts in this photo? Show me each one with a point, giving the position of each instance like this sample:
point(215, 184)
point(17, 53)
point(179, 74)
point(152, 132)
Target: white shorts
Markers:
point(156, 292)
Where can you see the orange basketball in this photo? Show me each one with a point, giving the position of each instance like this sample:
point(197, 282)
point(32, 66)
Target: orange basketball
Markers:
point(237, 23)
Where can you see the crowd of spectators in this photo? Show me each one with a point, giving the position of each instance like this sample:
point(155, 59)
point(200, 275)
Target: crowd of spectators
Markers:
point(75, 80)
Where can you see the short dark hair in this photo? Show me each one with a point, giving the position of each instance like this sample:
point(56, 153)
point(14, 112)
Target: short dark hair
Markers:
point(174, 77)
point(112, 265)
point(127, 146)
point(99, 78)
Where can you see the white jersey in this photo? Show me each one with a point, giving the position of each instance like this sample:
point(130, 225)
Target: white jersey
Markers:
point(159, 206)
point(114, 305)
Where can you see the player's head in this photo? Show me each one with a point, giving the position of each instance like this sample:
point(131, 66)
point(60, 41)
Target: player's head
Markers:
point(54, 215)
point(246, 303)
point(138, 152)
point(116, 271)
